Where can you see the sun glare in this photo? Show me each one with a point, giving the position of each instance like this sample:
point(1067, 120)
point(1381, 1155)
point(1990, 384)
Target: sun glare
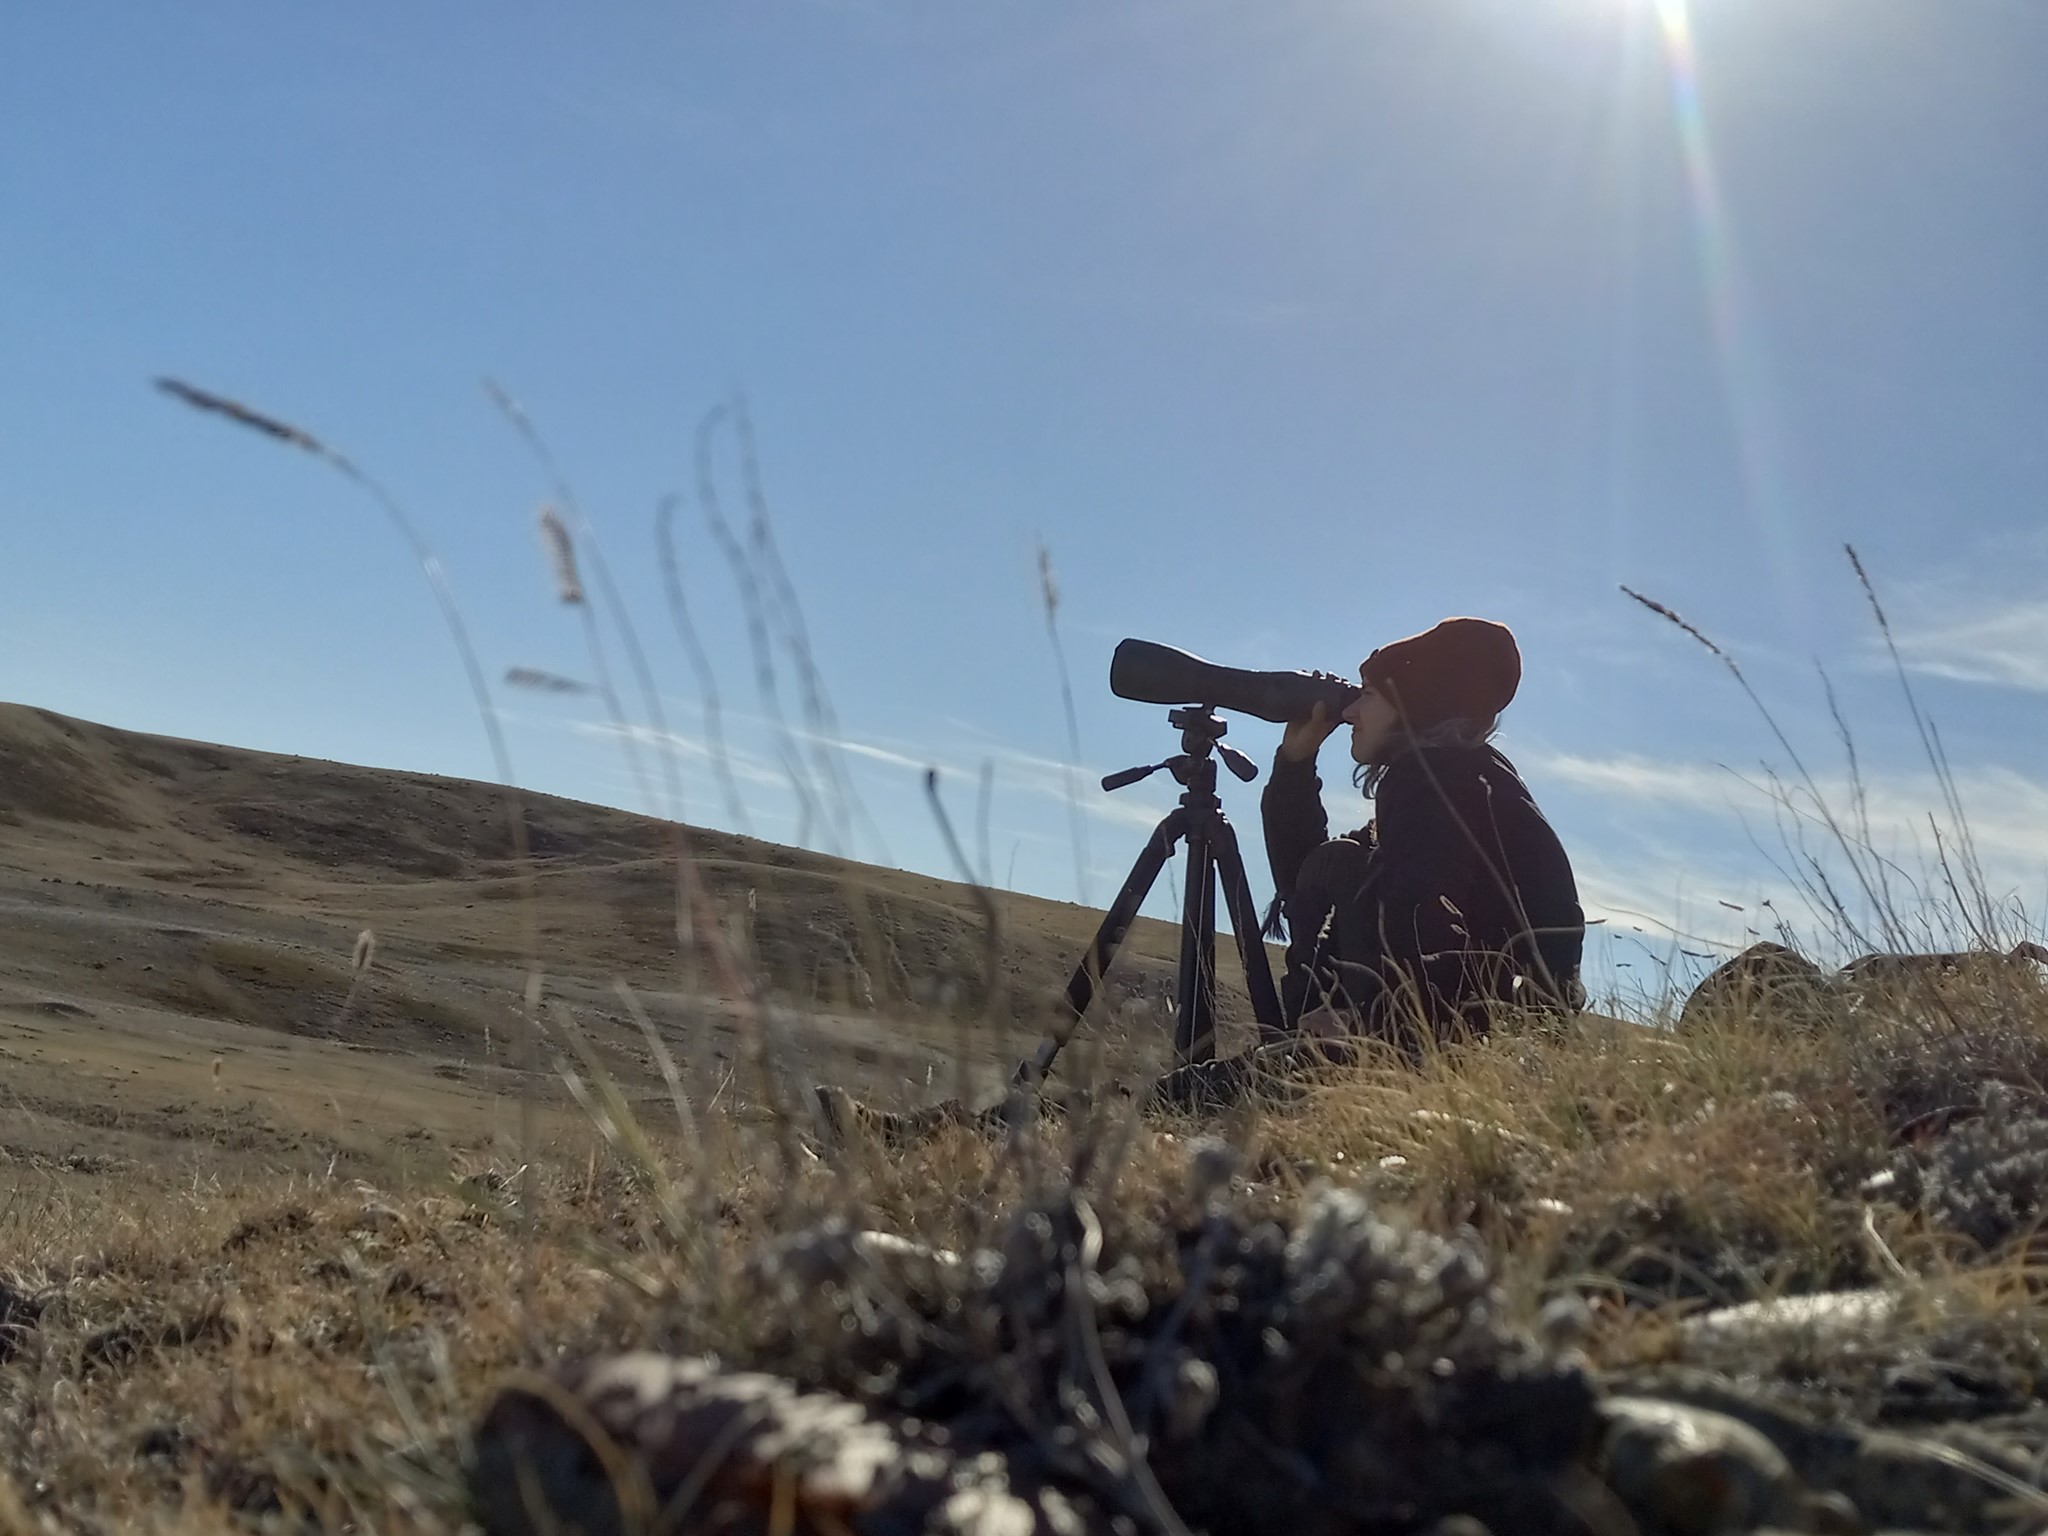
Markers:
point(1736, 346)
point(1674, 20)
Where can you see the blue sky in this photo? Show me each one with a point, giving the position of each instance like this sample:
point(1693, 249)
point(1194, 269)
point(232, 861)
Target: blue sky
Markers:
point(1288, 328)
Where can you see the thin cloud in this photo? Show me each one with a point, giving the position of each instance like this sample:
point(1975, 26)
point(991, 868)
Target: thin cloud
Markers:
point(1980, 620)
point(2006, 647)
point(1039, 777)
point(1029, 775)
point(743, 766)
point(1699, 786)
point(1907, 843)
point(2006, 812)
point(872, 753)
point(1665, 897)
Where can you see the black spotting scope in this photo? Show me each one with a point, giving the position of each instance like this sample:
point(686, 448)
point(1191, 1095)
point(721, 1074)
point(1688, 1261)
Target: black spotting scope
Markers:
point(1148, 673)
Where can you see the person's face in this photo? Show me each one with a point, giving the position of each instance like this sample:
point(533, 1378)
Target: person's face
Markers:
point(1373, 719)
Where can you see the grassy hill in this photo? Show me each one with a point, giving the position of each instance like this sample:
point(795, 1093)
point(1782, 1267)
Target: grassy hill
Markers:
point(155, 885)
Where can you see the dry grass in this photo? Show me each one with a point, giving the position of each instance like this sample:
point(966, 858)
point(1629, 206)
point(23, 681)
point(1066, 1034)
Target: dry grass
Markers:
point(192, 1357)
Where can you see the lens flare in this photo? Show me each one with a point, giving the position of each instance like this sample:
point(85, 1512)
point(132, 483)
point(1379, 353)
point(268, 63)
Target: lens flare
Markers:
point(1737, 349)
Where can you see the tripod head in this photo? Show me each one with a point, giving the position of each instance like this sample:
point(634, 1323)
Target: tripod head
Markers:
point(1201, 732)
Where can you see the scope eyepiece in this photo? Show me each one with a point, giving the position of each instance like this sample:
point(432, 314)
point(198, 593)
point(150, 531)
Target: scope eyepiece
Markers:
point(1149, 673)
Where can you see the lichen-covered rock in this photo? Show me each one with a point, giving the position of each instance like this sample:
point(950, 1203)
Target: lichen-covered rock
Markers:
point(1925, 1078)
point(1827, 1319)
point(1336, 1374)
point(1987, 1176)
point(1951, 1479)
point(1684, 1471)
point(642, 1441)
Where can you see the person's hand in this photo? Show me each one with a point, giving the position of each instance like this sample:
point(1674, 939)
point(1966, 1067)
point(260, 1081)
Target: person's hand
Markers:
point(1304, 738)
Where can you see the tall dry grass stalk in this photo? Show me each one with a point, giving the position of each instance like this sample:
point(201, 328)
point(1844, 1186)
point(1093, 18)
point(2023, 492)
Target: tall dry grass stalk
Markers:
point(562, 539)
point(699, 659)
point(1077, 822)
point(1877, 912)
point(402, 522)
point(537, 680)
point(560, 547)
point(994, 1000)
point(361, 959)
point(458, 632)
point(826, 798)
point(697, 926)
point(754, 605)
point(1964, 875)
point(786, 614)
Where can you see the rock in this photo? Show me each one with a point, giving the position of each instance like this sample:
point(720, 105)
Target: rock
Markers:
point(834, 1253)
point(1893, 969)
point(1950, 1481)
point(1828, 1318)
point(1981, 1174)
point(1833, 1514)
point(1371, 1363)
point(628, 1442)
point(1765, 980)
point(1466, 1123)
point(1688, 1471)
point(1925, 1481)
point(891, 1247)
point(1565, 1322)
point(1332, 1373)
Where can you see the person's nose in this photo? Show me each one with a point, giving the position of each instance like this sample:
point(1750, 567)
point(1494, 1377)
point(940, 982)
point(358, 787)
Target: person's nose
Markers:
point(1350, 715)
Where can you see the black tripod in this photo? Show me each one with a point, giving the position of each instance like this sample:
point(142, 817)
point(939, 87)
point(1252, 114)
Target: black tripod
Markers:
point(1212, 855)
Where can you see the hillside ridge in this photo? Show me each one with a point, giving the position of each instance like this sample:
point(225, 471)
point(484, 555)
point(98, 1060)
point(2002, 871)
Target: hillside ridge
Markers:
point(154, 887)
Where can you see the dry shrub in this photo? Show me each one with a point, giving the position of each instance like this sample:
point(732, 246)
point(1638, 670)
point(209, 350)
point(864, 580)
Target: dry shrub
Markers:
point(1305, 1369)
point(1723, 1164)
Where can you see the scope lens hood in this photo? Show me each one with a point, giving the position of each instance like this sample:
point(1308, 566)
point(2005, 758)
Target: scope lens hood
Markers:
point(1146, 672)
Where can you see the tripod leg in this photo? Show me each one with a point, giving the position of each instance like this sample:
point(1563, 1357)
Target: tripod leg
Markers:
point(1194, 1030)
point(1116, 922)
point(1251, 943)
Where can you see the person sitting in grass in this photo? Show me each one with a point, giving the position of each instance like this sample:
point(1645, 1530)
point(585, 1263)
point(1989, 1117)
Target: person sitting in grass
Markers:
point(1456, 900)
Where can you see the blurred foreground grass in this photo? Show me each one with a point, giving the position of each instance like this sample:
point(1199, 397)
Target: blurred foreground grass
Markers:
point(295, 1350)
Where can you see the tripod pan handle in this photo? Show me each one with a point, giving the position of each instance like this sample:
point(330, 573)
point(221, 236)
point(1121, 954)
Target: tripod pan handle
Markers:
point(1129, 776)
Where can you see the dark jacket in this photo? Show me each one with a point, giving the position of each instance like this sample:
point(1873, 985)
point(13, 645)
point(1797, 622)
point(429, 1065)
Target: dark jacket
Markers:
point(1456, 894)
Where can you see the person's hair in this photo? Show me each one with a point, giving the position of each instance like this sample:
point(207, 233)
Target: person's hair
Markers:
point(1445, 733)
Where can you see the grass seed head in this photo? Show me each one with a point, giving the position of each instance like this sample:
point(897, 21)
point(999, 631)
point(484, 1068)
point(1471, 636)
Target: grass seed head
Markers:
point(554, 534)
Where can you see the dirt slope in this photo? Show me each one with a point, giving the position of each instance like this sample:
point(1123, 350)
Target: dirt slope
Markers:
point(178, 922)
